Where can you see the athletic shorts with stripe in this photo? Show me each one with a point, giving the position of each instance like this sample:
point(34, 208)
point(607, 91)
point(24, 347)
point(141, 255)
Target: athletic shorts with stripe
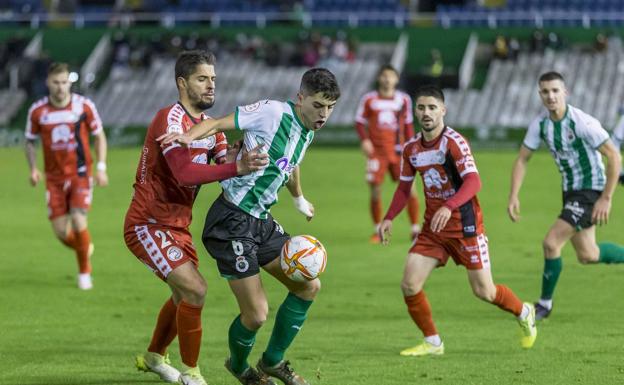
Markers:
point(378, 166)
point(160, 248)
point(239, 242)
point(471, 252)
point(65, 194)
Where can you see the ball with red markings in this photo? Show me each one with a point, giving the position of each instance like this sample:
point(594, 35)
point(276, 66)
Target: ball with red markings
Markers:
point(303, 258)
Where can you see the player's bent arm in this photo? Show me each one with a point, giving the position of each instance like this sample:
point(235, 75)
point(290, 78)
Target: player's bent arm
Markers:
point(201, 130)
point(614, 161)
point(470, 187)
point(31, 154)
point(399, 200)
point(294, 187)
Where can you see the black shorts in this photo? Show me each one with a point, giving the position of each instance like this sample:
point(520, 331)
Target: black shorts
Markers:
point(578, 206)
point(239, 242)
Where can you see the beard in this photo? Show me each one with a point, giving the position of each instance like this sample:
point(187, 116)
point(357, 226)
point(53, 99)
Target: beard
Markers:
point(204, 105)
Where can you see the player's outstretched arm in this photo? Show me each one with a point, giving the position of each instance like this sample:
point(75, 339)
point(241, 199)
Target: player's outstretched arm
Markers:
point(399, 200)
point(600, 213)
point(31, 157)
point(188, 173)
point(517, 177)
point(203, 129)
point(294, 187)
point(100, 144)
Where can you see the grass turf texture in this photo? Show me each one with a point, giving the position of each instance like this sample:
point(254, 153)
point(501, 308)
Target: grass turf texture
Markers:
point(52, 333)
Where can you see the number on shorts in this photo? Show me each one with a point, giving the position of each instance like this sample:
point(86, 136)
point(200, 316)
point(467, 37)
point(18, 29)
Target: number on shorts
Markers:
point(238, 248)
point(164, 243)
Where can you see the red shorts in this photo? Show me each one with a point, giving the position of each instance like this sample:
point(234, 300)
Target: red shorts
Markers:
point(471, 252)
point(65, 194)
point(161, 248)
point(378, 166)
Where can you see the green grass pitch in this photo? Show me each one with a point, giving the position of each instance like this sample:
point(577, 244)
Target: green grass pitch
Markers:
point(51, 333)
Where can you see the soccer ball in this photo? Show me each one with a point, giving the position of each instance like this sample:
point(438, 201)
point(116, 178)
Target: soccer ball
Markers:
point(303, 258)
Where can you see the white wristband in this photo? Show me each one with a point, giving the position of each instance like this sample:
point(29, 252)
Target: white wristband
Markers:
point(300, 200)
point(101, 166)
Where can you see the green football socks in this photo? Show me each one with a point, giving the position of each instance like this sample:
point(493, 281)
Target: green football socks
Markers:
point(611, 253)
point(290, 317)
point(241, 341)
point(552, 269)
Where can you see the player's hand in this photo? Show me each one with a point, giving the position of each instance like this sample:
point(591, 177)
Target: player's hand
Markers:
point(171, 137)
point(232, 151)
point(440, 219)
point(253, 160)
point(367, 148)
point(513, 209)
point(101, 178)
point(385, 231)
point(600, 213)
point(35, 177)
point(304, 207)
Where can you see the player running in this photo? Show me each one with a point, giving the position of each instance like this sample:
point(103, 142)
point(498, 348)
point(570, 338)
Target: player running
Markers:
point(241, 234)
point(576, 140)
point(156, 225)
point(384, 122)
point(64, 121)
point(453, 223)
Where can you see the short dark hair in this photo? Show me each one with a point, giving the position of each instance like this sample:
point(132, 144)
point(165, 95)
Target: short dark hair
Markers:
point(57, 68)
point(429, 90)
point(548, 76)
point(189, 60)
point(318, 80)
point(387, 67)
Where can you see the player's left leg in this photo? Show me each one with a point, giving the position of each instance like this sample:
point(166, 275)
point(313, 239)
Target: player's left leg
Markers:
point(84, 247)
point(288, 321)
point(587, 251)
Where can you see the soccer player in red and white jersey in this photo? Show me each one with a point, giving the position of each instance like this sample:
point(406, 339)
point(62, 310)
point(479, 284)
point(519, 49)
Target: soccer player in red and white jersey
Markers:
point(453, 223)
point(64, 121)
point(384, 122)
point(157, 222)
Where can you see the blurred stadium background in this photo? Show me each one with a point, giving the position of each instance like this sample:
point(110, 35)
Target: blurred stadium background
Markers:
point(487, 55)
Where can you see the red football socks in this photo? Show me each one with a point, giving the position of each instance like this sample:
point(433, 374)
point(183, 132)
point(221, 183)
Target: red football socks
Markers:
point(188, 319)
point(83, 240)
point(507, 300)
point(166, 328)
point(375, 208)
point(419, 309)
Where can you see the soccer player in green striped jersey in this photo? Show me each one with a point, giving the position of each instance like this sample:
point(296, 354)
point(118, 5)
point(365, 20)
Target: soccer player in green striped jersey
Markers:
point(578, 142)
point(240, 232)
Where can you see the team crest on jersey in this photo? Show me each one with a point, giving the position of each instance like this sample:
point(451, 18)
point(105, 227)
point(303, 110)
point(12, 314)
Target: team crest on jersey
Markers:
point(242, 265)
point(174, 253)
point(571, 135)
point(200, 159)
point(433, 178)
point(61, 133)
point(251, 107)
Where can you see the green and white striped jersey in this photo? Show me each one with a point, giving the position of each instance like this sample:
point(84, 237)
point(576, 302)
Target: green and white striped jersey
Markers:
point(573, 141)
point(276, 125)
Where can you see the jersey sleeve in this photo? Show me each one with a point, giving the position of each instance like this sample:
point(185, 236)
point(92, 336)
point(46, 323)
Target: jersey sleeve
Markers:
point(220, 148)
point(591, 131)
point(163, 125)
point(32, 125)
point(407, 170)
point(363, 112)
point(462, 155)
point(259, 116)
point(93, 118)
point(618, 132)
point(532, 137)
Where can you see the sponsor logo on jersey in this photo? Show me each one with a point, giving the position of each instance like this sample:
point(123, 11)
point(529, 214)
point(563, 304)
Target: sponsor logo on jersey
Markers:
point(241, 265)
point(427, 158)
point(174, 253)
point(469, 229)
point(61, 133)
point(284, 164)
point(433, 179)
point(59, 117)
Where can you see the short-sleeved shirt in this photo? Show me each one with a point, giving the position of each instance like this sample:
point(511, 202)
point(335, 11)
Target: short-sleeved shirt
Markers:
point(442, 165)
point(573, 141)
point(386, 119)
point(158, 198)
point(64, 134)
point(276, 125)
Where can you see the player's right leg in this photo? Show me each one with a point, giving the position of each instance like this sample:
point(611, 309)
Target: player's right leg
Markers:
point(560, 232)
point(417, 270)
point(376, 168)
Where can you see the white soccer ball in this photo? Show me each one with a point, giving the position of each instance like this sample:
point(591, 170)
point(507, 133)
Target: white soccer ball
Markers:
point(303, 258)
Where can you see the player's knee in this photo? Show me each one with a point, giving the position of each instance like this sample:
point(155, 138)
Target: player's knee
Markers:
point(254, 319)
point(195, 293)
point(551, 248)
point(485, 293)
point(410, 287)
point(586, 257)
